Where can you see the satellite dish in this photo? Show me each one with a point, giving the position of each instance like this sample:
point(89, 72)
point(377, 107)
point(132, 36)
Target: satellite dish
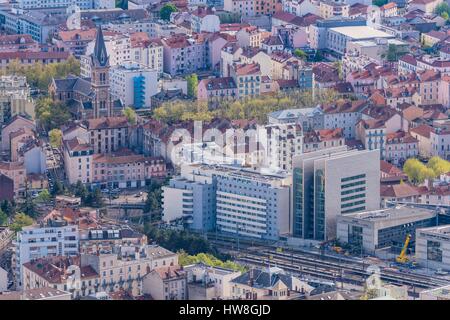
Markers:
point(74, 19)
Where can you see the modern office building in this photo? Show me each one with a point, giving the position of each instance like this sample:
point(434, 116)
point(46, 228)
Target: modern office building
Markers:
point(379, 229)
point(329, 183)
point(234, 200)
point(433, 247)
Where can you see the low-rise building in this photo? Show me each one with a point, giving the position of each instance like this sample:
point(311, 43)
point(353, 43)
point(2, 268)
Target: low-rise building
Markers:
point(432, 247)
point(166, 283)
point(206, 283)
point(380, 229)
point(270, 283)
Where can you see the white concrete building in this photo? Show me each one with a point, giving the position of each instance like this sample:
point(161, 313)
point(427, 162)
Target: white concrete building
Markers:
point(329, 183)
point(206, 283)
point(284, 141)
point(433, 247)
point(78, 160)
point(134, 84)
point(33, 242)
point(380, 229)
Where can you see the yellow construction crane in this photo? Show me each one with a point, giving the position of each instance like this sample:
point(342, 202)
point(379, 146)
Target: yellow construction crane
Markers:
point(402, 258)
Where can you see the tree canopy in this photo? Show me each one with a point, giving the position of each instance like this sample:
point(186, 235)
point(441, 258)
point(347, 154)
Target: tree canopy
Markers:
point(166, 10)
point(192, 85)
point(40, 75)
point(250, 108)
point(51, 114)
point(185, 259)
point(300, 54)
point(55, 136)
point(442, 8)
point(21, 220)
point(379, 3)
point(130, 114)
point(417, 172)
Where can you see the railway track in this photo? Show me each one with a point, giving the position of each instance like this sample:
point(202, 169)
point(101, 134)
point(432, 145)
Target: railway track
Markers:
point(323, 266)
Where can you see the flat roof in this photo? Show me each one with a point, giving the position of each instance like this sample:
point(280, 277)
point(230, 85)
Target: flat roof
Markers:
point(398, 213)
point(361, 32)
point(439, 230)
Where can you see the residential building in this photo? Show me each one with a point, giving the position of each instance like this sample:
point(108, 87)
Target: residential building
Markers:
point(227, 198)
point(184, 55)
point(426, 6)
point(333, 8)
point(284, 141)
point(134, 84)
point(247, 78)
point(204, 19)
point(15, 98)
point(308, 118)
point(343, 114)
point(124, 169)
point(57, 238)
point(207, 283)
point(271, 283)
point(148, 53)
point(108, 134)
point(329, 183)
point(166, 283)
point(440, 142)
point(78, 160)
point(314, 140)
point(400, 146)
point(216, 89)
point(372, 133)
point(91, 273)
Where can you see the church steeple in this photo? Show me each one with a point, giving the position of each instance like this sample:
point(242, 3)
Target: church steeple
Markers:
point(102, 103)
point(100, 56)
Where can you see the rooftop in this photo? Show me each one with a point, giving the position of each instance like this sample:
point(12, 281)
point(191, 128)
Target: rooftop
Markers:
point(399, 214)
point(361, 32)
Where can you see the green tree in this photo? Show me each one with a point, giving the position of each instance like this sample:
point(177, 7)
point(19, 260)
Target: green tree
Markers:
point(44, 196)
point(3, 218)
point(166, 10)
point(94, 198)
point(55, 136)
point(8, 207)
point(192, 85)
point(417, 172)
point(58, 188)
point(123, 4)
point(21, 220)
point(338, 66)
point(40, 75)
point(392, 54)
point(185, 259)
point(51, 114)
point(300, 54)
point(379, 3)
point(442, 8)
point(438, 165)
point(130, 114)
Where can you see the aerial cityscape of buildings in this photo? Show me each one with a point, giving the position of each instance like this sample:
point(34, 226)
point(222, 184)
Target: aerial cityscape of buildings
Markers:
point(225, 150)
